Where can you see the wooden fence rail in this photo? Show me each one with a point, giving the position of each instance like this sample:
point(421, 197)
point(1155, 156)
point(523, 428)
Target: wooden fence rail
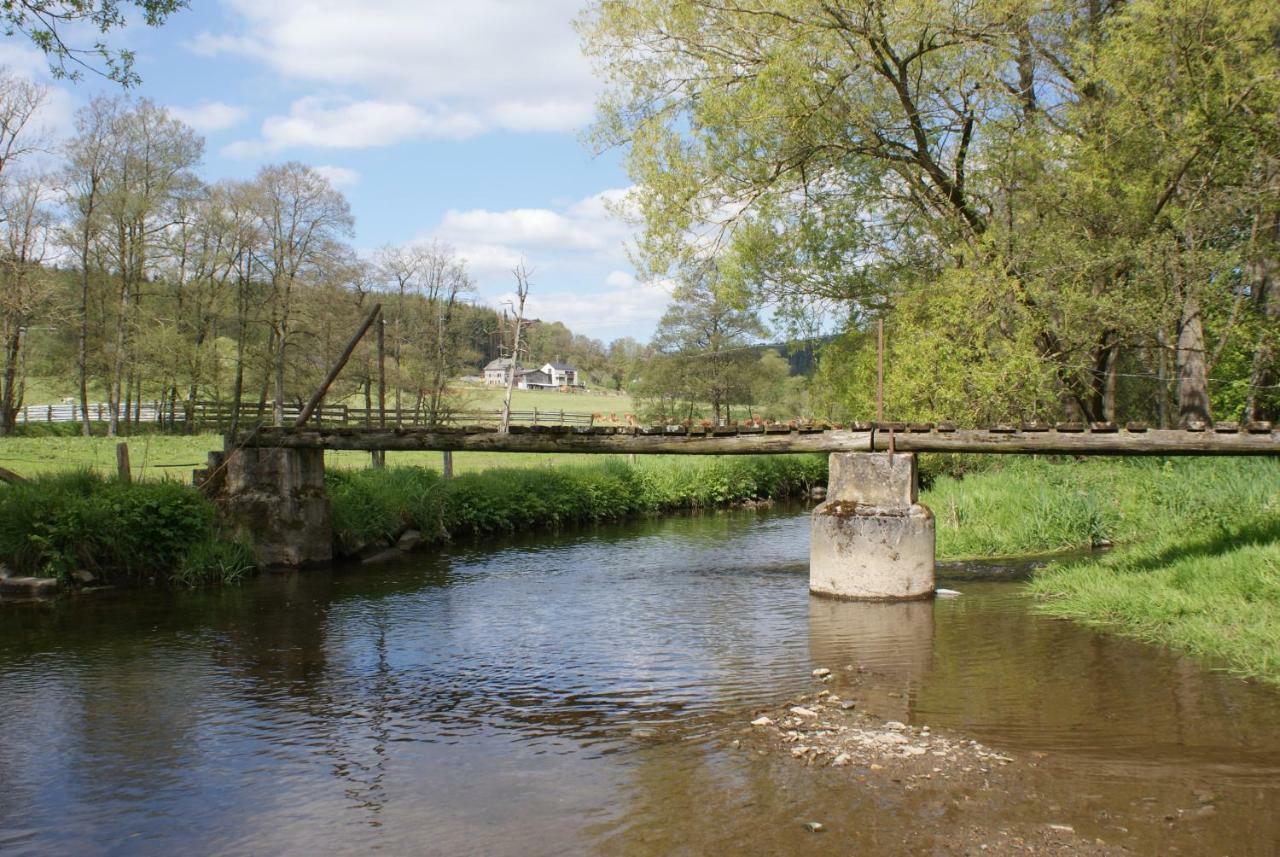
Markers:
point(217, 415)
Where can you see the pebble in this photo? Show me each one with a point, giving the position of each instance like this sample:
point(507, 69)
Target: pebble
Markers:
point(841, 760)
point(643, 732)
point(762, 721)
point(821, 672)
point(814, 826)
point(801, 711)
point(895, 726)
point(848, 704)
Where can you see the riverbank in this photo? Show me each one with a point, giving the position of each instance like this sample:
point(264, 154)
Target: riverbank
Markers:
point(373, 508)
point(1196, 562)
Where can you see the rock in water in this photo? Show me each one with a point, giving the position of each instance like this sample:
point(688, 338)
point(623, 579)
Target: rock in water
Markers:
point(821, 672)
point(814, 826)
point(762, 721)
point(945, 593)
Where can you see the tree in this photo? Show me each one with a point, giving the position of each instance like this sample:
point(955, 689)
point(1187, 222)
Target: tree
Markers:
point(45, 23)
point(303, 221)
point(704, 341)
point(1089, 157)
point(25, 286)
point(148, 170)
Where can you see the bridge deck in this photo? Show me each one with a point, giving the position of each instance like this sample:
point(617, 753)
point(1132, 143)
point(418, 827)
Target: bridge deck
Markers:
point(1224, 439)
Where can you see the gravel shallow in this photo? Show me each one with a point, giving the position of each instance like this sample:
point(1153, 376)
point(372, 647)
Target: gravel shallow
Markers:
point(967, 785)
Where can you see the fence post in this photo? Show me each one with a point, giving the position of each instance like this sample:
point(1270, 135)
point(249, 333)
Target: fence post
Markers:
point(122, 462)
point(535, 415)
point(48, 416)
point(562, 416)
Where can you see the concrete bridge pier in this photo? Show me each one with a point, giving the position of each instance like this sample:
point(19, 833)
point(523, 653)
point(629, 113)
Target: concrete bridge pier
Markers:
point(871, 540)
point(276, 498)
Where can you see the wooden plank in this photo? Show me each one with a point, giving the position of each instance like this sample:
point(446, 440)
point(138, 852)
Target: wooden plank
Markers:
point(522, 439)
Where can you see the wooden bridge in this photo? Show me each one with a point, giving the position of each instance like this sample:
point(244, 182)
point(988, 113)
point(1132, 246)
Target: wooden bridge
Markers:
point(1063, 438)
point(871, 538)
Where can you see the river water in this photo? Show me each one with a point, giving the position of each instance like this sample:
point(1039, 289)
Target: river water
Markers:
point(580, 694)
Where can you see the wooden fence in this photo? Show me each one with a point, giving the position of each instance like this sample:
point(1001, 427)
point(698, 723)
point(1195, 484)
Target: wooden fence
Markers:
point(217, 415)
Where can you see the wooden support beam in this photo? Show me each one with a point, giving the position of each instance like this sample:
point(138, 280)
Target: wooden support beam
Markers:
point(679, 441)
point(318, 395)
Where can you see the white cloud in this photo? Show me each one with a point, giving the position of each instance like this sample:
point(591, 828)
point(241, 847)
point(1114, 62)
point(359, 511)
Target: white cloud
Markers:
point(427, 67)
point(339, 123)
point(576, 253)
point(339, 176)
point(583, 232)
point(620, 309)
point(211, 116)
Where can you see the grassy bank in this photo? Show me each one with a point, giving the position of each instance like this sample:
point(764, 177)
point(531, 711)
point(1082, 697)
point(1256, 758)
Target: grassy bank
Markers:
point(173, 457)
point(1196, 563)
point(369, 505)
point(161, 532)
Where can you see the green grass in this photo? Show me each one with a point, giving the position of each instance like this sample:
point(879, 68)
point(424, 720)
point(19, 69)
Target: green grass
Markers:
point(162, 532)
point(369, 504)
point(1197, 559)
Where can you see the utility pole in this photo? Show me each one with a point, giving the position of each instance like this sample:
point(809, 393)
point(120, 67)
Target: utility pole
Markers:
point(522, 292)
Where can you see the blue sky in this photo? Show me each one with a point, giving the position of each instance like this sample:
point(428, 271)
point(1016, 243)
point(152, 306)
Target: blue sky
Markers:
point(457, 121)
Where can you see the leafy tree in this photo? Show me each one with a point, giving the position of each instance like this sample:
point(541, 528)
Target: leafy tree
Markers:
point(45, 23)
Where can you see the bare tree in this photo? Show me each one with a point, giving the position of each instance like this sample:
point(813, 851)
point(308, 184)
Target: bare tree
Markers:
point(522, 293)
point(301, 217)
point(88, 153)
point(25, 285)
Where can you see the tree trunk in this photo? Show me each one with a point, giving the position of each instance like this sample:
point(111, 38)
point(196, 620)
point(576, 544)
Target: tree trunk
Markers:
point(1193, 378)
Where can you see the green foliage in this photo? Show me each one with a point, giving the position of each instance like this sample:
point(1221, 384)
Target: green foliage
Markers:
point(962, 351)
point(1031, 195)
point(373, 504)
point(121, 532)
point(45, 23)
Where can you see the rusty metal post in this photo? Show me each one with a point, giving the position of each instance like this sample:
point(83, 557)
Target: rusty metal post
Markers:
point(880, 370)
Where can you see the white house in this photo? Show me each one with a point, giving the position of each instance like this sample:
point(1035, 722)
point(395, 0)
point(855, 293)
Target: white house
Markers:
point(561, 374)
point(551, 376)
point(498, 372)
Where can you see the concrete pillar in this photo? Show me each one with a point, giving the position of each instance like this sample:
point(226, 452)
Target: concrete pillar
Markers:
point(276, 498)
point(871, 540)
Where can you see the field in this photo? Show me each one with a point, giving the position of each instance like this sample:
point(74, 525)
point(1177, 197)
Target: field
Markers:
point(173, 457)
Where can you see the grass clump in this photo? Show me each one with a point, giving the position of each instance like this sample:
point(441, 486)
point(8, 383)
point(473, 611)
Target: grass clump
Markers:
point(54, 526)
point(376, 504)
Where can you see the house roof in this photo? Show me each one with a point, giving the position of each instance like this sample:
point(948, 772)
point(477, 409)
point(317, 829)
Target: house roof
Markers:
point(535, 376)
point(562, 367)
point(500, 363)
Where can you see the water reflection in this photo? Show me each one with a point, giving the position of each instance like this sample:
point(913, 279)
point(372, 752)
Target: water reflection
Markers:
point(888, 648)
point(484, 701)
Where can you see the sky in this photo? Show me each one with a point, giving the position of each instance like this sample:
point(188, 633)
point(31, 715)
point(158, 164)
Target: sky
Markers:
point(438, 120)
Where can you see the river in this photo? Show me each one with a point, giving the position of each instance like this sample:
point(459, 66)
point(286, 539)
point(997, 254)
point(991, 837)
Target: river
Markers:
point(582, 693)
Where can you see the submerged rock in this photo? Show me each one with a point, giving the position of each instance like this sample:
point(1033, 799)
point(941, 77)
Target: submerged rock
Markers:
point(30, 586)
point(409, 540)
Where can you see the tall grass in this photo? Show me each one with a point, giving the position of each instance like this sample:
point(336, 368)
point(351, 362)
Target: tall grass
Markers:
point(119, 532)
point(372, 504)
point(1197, 557)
